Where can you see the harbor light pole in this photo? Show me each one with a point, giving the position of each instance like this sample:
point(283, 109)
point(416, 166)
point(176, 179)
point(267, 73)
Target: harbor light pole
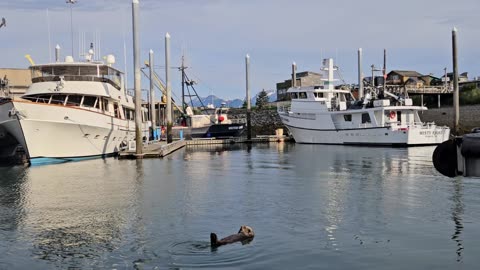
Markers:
point(137, 80)
point(71, 2)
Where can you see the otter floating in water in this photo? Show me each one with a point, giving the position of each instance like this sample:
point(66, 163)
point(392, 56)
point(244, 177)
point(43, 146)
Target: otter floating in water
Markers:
point(245, 234)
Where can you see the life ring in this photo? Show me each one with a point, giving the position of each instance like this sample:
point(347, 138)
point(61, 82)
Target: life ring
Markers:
point(392, 114)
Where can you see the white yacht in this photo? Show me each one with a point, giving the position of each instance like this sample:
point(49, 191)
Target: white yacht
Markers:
point(72, 110)
point(325, 115)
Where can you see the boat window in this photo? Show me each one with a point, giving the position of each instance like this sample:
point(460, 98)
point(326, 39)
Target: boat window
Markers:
point(116, 110)
point(294, 95)
point(399, 116)
point(347, 117)
point(58, 99)
point(130, 114)
point(74, 100)
point(318, 95)
point(366, 118)
point(302, 95)
point(89, 101)
point(105, 105)
point(40, 98)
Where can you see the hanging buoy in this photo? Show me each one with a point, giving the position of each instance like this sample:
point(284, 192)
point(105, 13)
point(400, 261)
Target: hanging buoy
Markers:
point(392, 114)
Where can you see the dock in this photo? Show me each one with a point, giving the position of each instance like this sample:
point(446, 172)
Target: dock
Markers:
point(160, 149)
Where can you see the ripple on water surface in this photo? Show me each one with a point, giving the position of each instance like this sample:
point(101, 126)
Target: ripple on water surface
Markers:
point(198, 254)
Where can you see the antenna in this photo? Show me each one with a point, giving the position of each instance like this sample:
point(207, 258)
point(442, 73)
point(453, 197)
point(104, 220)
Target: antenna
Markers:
point(49, 39)
point(72, 2)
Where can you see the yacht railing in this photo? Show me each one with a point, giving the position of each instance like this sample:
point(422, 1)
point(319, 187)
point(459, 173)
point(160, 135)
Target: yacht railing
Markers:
point(78, 78)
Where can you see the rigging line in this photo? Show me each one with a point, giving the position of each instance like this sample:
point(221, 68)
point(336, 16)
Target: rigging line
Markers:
point(202, 81)
point(191, 85)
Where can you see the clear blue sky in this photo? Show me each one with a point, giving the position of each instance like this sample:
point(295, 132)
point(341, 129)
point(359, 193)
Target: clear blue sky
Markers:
point(217, 34)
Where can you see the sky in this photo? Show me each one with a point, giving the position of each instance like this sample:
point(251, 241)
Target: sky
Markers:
point(216, 35)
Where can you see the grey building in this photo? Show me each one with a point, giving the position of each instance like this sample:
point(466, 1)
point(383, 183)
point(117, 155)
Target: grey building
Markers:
point(305, 78)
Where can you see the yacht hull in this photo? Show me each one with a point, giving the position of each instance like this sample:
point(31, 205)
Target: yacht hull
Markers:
point(49, 132)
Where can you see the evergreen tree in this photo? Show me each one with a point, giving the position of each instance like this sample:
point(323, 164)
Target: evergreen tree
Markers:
point(244, 105)
point(262, 99)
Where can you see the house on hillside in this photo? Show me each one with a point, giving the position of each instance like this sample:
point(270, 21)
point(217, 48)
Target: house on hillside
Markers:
point(305, 78)
point(402, 77)
point(431, 80)
point(463, 77)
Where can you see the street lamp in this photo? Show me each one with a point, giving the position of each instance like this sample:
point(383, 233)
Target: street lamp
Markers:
point(72, 2)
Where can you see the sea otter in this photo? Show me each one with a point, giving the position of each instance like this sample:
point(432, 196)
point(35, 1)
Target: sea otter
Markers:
point(244, 234)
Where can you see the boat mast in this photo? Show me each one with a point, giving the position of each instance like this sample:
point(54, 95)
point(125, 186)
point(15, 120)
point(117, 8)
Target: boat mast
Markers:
point(182, 69)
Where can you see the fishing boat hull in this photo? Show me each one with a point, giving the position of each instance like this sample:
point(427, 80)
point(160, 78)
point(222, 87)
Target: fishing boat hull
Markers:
point(219, 131)
point(425, 135)
point(52, 132)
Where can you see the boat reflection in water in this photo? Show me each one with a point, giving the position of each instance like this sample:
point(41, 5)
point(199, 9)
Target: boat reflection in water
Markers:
point(319, 205)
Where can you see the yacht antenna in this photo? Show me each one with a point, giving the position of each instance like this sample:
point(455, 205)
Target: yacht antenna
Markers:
point(49, 39)
point(72, 2)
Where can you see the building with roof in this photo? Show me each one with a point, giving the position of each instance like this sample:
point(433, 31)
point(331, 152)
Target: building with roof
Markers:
point(14, 82)
point(305, 78)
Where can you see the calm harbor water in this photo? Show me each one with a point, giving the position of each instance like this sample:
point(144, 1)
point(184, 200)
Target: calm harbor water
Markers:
point(311, 206)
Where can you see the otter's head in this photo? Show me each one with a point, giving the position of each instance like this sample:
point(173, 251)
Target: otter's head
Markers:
point(247, 231)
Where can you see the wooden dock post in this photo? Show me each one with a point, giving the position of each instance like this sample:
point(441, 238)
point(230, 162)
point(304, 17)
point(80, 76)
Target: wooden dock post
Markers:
point(169, 88)
point(137, 80)
point(456, 103)
point(249, 116)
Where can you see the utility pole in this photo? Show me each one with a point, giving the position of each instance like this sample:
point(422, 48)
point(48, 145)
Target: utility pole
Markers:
point(169, 88)
point(137, 80)
point(456, 103)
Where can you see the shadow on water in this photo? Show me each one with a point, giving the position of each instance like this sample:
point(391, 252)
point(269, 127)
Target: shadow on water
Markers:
point(457, 212)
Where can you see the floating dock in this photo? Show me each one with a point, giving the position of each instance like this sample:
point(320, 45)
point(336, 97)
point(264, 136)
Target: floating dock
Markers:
point(161, 149)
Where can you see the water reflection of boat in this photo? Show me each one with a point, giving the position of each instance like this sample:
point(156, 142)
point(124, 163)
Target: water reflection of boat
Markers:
point(72, 110)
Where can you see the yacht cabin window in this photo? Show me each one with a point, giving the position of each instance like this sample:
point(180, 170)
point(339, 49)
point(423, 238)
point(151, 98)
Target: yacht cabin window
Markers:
point(302, 95)
point(366, 118)
point(347, 117)
point(294, 95)
point(89, 101)
point(58, 99)
point(74, 100)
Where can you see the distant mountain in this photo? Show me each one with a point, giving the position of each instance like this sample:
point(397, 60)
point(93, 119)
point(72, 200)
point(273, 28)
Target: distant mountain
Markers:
point(236, 103)
point(217, 102)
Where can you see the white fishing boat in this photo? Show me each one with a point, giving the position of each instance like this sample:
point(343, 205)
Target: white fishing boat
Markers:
point(72, 110)
point(325, 115)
